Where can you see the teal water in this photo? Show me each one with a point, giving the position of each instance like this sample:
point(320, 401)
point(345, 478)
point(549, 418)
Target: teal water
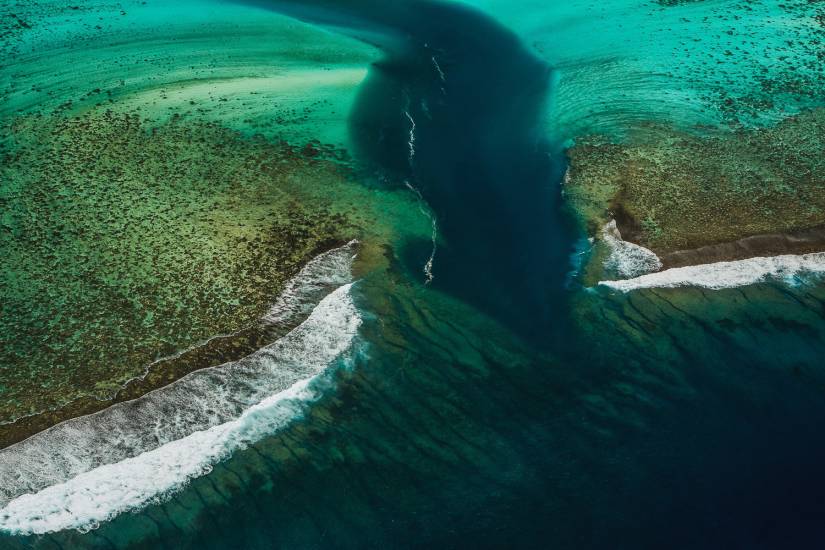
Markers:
point(500, 405)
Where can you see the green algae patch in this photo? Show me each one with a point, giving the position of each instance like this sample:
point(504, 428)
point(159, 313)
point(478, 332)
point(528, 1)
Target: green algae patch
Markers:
point(123, 243)
point(671, 191)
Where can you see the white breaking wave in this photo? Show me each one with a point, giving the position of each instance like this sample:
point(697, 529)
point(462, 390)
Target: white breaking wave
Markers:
point(441, 75)
point(328, 270)
point(89, 469)
point(627, 259)
point(719, 275)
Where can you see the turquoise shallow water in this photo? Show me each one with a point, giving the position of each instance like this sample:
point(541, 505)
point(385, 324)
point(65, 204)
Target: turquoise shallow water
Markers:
point(496, 406)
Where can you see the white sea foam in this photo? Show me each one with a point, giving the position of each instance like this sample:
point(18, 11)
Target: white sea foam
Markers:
point(324, 272)
point(428, 265)
point(411, 142)
point(627, 259)
point(328, 270)
point(89, 469)
point(100, 494)
point(719, 275)
point(441, 74)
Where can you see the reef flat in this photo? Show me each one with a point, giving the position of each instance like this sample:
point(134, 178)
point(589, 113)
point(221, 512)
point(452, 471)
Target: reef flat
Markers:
point(125, 242)
point(693, 199)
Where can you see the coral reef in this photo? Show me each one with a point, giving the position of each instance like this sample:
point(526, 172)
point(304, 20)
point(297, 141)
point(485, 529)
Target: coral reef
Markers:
point(124, 242)
point(671, 191)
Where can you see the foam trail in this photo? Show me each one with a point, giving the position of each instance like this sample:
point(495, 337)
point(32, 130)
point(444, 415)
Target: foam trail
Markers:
point(441, 75)
point(328, 270)
point(321, 274)
point(57, 465)
point(411, 141)
point(719, 275)
point(105, 491)
point(428, 265)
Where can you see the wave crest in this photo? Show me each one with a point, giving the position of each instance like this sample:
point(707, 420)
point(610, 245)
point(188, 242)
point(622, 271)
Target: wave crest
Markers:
point(88, 470)
point(721, 275)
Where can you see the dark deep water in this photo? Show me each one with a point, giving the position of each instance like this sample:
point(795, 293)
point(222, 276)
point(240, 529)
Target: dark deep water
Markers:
point(456, 111)
point(479, 157)
point(662, 418)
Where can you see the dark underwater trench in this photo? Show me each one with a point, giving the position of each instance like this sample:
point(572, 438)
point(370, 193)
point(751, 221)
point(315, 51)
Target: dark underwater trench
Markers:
point(455, 111)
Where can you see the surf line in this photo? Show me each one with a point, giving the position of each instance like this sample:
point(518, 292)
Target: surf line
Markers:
point(790, 269)
point(428, 265)
point(90, 469)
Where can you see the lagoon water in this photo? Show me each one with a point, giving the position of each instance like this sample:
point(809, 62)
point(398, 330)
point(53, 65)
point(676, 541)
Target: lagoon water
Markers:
point(499, 404)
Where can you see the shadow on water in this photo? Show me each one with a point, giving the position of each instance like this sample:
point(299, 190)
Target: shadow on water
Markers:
point(455, 111)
